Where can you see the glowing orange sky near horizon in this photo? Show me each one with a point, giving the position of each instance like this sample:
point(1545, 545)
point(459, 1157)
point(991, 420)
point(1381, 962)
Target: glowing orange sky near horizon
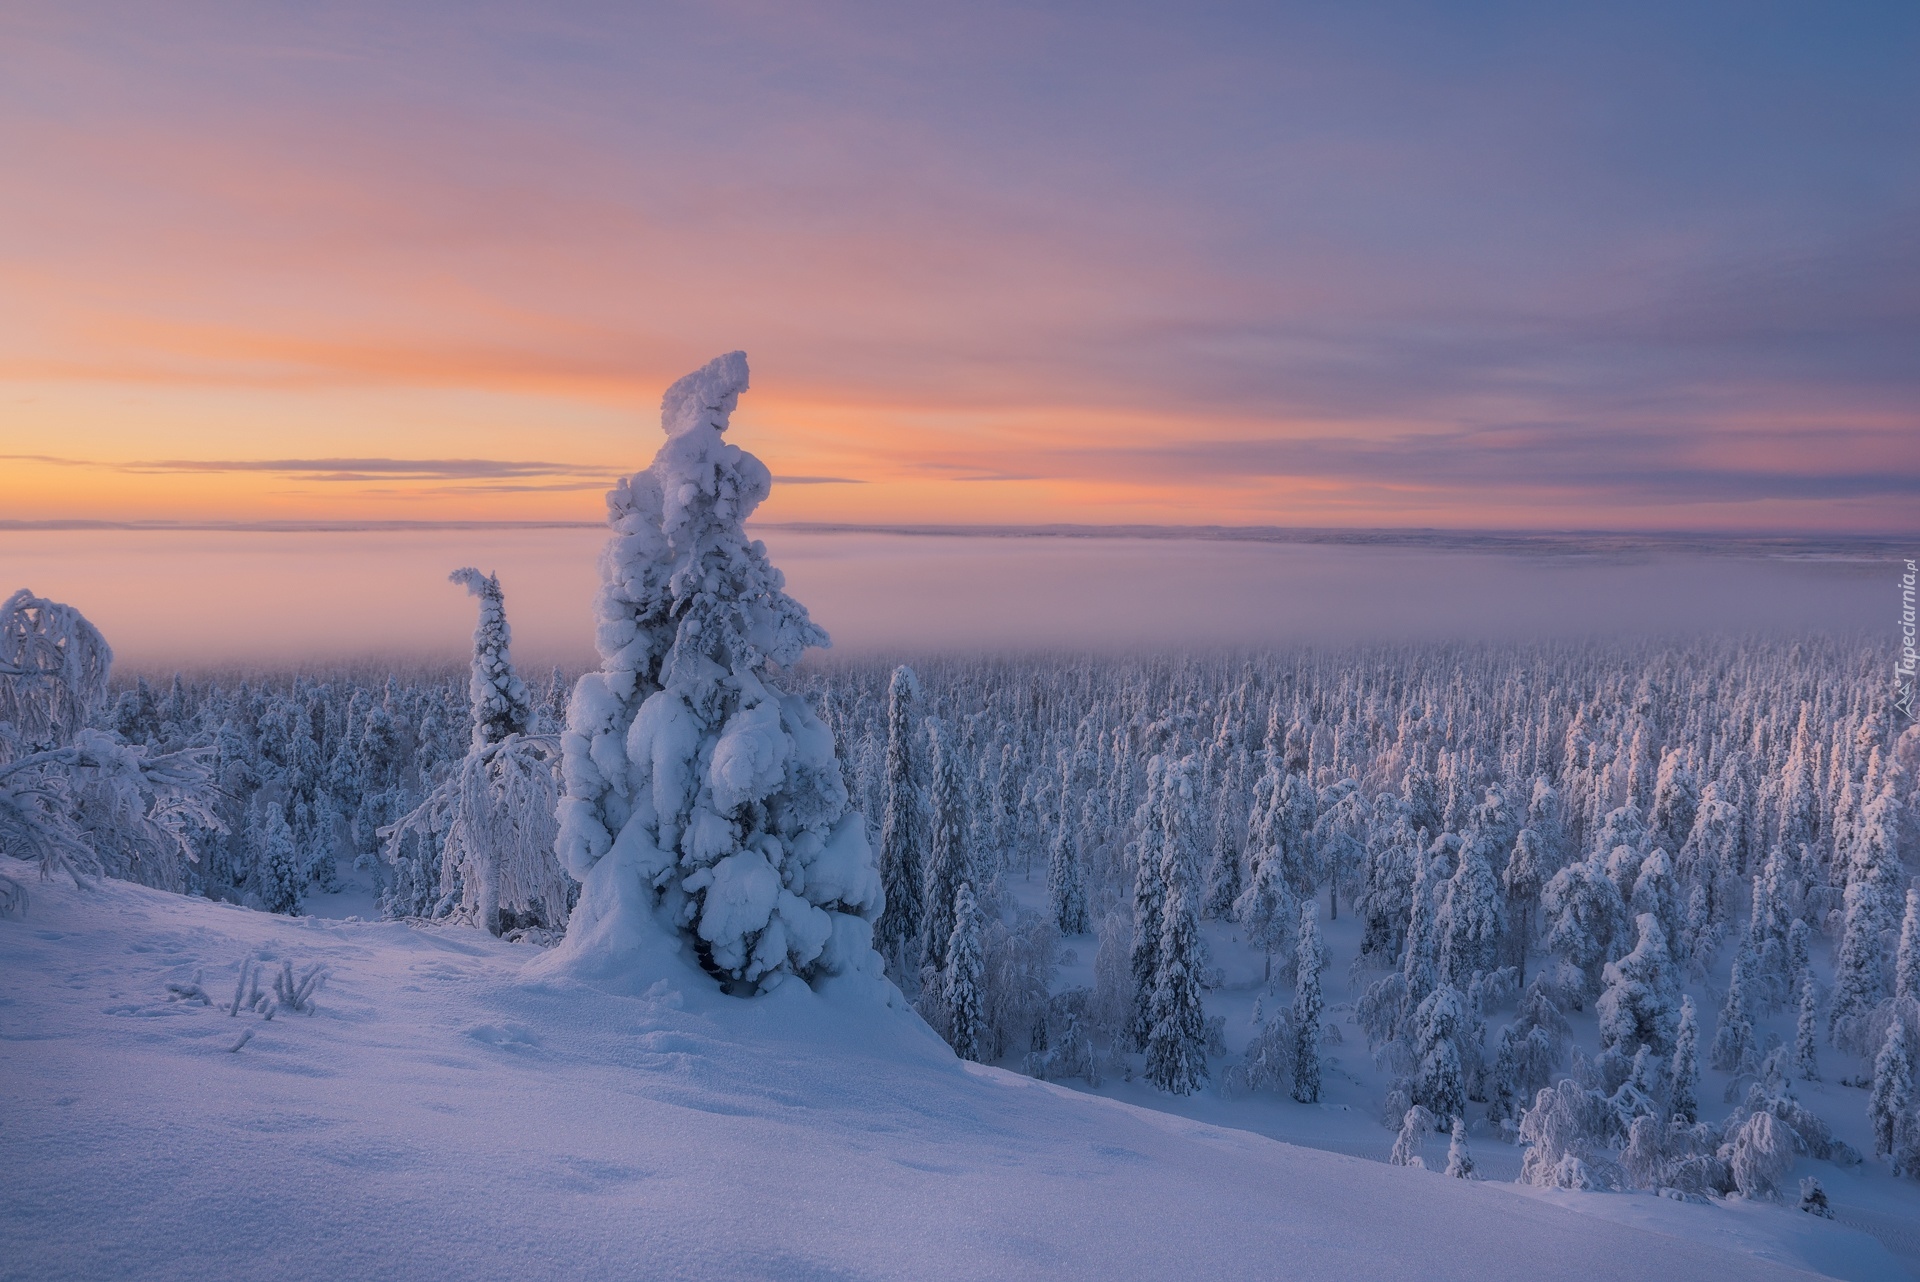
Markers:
point(342, 238)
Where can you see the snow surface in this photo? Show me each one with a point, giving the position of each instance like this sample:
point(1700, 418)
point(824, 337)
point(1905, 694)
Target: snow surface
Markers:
point(444, 1115)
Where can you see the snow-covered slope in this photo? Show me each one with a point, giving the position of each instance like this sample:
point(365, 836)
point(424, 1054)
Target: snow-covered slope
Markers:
point(442, 1115)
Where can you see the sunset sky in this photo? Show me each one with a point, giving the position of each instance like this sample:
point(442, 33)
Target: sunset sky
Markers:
point(1611, 266)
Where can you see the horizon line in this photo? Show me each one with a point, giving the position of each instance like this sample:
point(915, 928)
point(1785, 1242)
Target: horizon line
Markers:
point(1478, 538)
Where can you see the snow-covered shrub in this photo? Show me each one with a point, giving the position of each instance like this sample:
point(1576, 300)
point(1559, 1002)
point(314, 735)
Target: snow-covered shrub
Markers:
point(1064, 1046)
point(73, 797)
point(1813, 1199)
point(1759, 1155)
point(1270, 1057)
point(1566, 1133)
point(702, 800)
point(1019, 970)
point(1414, 1126)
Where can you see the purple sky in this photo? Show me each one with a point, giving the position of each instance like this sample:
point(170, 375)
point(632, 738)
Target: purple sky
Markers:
point(1630, 265)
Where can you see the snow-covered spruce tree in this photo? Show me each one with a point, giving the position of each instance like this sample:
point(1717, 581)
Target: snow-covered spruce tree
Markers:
point(1177, 1043)
point(74, 798)
point(1684, 1097)
point(1149, 904)
point(1459, 1157)
point(1906, 968)
point(1806, 1036)
point(1469, 921)
point(1858, 983)
point(704, 809)
point(1309, 959)
point(1890, 1107)
point(494, 814)
point(1066, 891)
point(1584, 913)
point(1733, 1043)
point(497, 700)
point(276, 874)
point(948, 862)
point(903, 830)
point(1440, 1079)
point(1636, 1009)
point(963, 977)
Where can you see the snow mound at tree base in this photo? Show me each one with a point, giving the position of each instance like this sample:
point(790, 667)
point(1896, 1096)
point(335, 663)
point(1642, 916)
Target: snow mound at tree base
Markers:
point(443, 1114)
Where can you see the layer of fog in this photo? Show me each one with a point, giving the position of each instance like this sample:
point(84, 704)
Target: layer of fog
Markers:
point(196, 598)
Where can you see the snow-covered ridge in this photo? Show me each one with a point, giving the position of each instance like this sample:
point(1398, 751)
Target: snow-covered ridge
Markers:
point(442, 1114)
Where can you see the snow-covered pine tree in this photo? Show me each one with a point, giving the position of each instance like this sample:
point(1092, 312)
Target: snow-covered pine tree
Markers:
point(704, 808)
point(964, 974)
point(903, 830)
point(1309, 959)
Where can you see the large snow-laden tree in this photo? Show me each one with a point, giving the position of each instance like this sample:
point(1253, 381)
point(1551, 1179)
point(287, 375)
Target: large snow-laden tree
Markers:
point(495, 811)
point(703, 802)
point(75, 798)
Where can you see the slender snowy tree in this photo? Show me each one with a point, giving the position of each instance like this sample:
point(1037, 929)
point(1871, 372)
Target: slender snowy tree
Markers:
point(494, 813)
point(1906, 971)
point(1309, 958)
point(497, 700)
point(903, 831)
point(965, 973)
point(1890, 1107)
point(1066, 891)
point(1806, 1040)
point(1470, 924)
point(1149, 904)
point(1733, 1044)
point(950, 863)
point(1176, 1045)
point(704, 805)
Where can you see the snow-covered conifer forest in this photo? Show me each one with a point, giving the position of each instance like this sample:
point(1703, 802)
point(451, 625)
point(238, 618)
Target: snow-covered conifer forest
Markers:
point(1625, 926)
